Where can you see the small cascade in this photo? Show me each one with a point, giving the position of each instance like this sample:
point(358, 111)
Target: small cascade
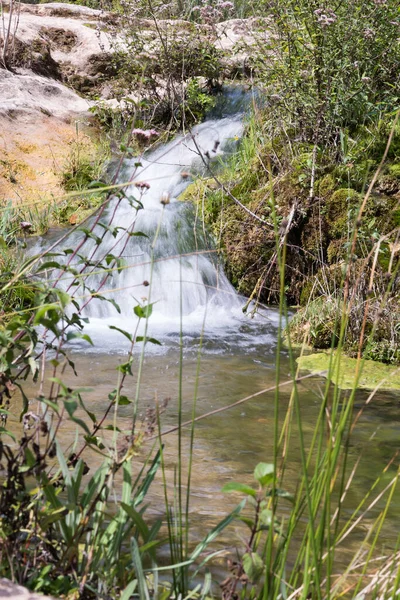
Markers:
point(169, 260)
point(168, 246)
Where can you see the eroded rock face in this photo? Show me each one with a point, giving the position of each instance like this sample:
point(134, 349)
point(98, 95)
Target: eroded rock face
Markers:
point(17, 592)
point(31, 94)
point(76, 44)
point(57, 44)
point(35, 56)
point(61, 41)
point(39, 120)
point(238, 40)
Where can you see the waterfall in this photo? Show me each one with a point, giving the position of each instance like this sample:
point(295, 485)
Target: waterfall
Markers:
point(169, 260)
point(174, 252)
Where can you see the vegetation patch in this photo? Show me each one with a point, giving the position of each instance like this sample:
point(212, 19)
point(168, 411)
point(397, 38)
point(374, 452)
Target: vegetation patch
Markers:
point(343, 371)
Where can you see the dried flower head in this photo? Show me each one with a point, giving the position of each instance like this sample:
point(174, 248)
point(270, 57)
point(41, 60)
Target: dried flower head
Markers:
point(25, 225)
point(165, 198)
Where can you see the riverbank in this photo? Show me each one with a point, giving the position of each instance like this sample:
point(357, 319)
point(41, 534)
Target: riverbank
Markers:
point(334, 214)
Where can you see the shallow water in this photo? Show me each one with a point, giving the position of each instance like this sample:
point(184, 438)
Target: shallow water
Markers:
point(228, 445)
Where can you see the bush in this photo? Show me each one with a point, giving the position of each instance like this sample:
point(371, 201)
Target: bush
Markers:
point(331, 67)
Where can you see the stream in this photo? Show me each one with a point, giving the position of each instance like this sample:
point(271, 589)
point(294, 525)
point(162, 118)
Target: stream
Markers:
point(194, 302)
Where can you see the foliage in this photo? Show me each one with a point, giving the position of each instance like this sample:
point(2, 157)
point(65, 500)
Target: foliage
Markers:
point(157, 70)
point(249, 572)
point(317, 323)
point(334, 65)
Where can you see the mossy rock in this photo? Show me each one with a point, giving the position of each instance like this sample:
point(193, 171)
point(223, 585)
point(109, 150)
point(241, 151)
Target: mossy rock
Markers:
point(75, 211)
point(342, 371)
point(338, 207)
point(325, 186)
point(35, 55)
point(314, 236)
point(389, 184)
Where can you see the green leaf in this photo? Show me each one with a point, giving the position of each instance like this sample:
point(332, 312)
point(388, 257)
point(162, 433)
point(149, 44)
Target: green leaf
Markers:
point(55, 515)
point(281, 494)
point(253, 566)
point(125, 333)
point(124, 401)
point(96, 184)
point(143, 312)
point(137, 519)
point(50, 264)
point(147, 481)
point(264, 473)
point(94, 440)
point(142, 584)
point(42, 311)
point(249, 522)
point(127, 593)
point(239, 487)
point(70, 407)
point(4, 431)
point(140, 338)
point(265, 517)
point(137, 234)
point(76, 335)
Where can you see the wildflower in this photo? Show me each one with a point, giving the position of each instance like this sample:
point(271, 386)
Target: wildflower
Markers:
point(325, 17)
point(144, 134)
point(368, 33)
point(142, 185)
point(227, 5)
point(365, 79)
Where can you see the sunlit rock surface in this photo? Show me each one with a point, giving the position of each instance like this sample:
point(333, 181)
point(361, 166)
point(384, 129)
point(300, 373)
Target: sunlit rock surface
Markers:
point(17, 592)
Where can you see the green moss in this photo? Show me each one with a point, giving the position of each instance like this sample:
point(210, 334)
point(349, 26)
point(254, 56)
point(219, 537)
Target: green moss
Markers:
point(342, 371)
point(394, 170)
point(325, 186)
point(338, 206)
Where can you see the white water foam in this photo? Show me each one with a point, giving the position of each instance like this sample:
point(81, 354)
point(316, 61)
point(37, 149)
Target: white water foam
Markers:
point(189, 289)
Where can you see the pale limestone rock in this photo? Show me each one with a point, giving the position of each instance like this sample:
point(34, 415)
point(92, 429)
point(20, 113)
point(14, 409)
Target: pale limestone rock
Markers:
point(17, 592)
point(28, 94)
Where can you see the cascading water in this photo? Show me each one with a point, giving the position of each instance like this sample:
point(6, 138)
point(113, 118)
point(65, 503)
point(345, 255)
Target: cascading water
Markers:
point(169, 260)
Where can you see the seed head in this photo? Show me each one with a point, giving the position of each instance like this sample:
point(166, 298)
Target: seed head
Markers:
point(165, 198)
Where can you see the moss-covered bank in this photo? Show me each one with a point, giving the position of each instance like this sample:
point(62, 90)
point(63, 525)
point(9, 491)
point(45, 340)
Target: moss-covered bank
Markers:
point(314, 197)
